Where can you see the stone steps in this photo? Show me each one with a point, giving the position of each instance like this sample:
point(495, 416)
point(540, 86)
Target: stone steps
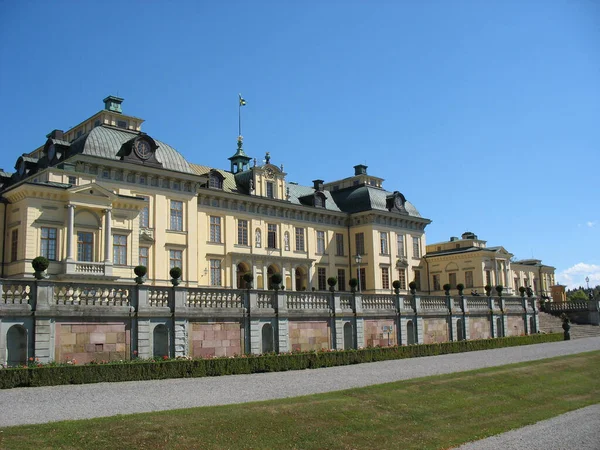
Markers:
point(553, 324)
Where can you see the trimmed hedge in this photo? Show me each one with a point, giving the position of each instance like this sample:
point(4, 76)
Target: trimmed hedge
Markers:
point(142, 370)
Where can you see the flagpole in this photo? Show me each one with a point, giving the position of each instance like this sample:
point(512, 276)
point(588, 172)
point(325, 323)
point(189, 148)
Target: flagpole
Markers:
point(239, 114)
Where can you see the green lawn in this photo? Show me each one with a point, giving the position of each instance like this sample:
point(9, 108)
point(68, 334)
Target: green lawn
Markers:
point(434, 412)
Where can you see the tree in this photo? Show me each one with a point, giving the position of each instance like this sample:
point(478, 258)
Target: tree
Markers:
point(577, 296)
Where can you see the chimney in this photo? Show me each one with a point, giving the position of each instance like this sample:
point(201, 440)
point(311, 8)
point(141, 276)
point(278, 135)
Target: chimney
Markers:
point(318, 185)
point(360, 169)
point(469, 235)
point(56, 134)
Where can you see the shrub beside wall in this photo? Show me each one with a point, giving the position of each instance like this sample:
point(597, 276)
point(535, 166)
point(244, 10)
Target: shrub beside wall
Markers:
point(146, 370)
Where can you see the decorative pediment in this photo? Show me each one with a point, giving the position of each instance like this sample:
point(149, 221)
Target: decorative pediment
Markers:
point(91, 193)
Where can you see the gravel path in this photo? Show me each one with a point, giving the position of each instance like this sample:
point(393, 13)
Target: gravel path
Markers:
point(573, 430)
point(54, 403)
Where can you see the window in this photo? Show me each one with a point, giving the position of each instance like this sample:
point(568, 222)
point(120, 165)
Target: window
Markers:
point(418, 279)
point(469, 278)
point(175, 258)
point(320, 242)
point(176, 215)
point(215, 229)
point(119, 175)
point(339, 244)
point(402, 278)
point(215, 182)
point(488, 277)
point(121, 123)
point(319, 201)
point(105, 173)
point(176, 186)
point(14, 244)
point(452, 280)
point(383, 240)
point(341, 276)
point(242, 232)
point(48, 244)
point(300, 240)
point(145, 214)
point(85, 242)
point(535, 285)
point(385, 278)
point(436, 283)
point(400, 240)
point(359, 239)
point(516, 283)
point(270, 190)
point(215, 272)
point(416, 247)
point(119, 249)
point(322, 278)
point(272, 235)
point(363, 279)
point(73, 181)
point(144, 251)
point(143, 179)
point(165, 183)
point(130, 178)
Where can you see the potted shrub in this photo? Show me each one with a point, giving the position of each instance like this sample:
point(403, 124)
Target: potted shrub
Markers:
point(522, 291)
point(460, 287)
point(413, 287)
point(488, 290)
point(396, 286)
point(447, 288)
point(332, 281)
point(499, 290)
point(529, 292)
point(566, 326)
point(39, 264)
point(276, 280)
point(353, 283)
point(248, 279)
point(175, 273)
point(141, 272)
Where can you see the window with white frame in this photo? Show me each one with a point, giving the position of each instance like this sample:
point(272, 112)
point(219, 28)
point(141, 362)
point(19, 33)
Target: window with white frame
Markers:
point(215, 272)
point(215, 229)
point(300, 240)
point(48, 243)
point(176, 215)
point(175, 259)
point(242, 232)
point(385, 277)
point(400, 244)
point(320, 242)
point(402, 278)
point(144, 253)
point(383, 241)
point(119, 250)
point(359, 240)
point(469, 278)
point(416, 247)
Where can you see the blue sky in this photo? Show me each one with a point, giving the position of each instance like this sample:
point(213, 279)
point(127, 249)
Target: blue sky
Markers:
point(483, 114)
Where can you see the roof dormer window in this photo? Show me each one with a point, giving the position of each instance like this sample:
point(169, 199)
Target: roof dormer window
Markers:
point(215, 180)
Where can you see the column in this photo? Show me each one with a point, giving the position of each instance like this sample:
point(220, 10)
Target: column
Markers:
point(283, 272)
point(293, 275)
point(234, 276)
point(70, 225)
point(108, 235)
point(508, 280)
point(265, 278)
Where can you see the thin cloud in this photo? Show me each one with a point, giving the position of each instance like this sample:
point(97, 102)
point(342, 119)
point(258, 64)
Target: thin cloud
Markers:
point(574, 276)
point(591, 224)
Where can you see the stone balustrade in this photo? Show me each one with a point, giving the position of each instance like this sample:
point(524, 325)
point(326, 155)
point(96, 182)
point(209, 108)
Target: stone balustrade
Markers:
point(16, 293)
point(307, 300)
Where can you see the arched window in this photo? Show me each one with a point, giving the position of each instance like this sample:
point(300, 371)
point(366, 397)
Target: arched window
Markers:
point(267, 338)
point(160, 341)
point(16, 345)
point(319, 200)
point(410, 333)
point(348, 336)
point(215, 180)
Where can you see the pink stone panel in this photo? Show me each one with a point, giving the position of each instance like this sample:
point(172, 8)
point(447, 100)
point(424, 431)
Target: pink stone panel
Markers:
point(516, 326)
point(435, 330)
point(309, 335)
point(215, 339)
point(479, 328)
point(92, 341)
point(374, 334)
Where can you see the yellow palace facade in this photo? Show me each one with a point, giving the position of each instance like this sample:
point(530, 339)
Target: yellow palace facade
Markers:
point(104, 197)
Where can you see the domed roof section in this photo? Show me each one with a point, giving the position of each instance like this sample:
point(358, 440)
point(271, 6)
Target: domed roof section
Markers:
point(106, 142)
point(365, 198)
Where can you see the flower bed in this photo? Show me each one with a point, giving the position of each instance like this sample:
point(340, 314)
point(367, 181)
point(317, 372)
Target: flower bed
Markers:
point(156, 369)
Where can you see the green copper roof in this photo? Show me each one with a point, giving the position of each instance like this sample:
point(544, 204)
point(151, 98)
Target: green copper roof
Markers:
point(105, 142)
